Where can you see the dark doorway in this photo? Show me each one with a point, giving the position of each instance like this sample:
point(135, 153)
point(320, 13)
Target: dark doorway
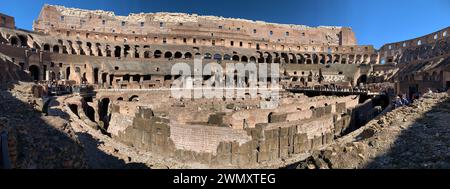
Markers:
point(413, 89)
point(362, 79)
point(96, 75)
point(34, 72)
point(103, 112)
point(67, 73)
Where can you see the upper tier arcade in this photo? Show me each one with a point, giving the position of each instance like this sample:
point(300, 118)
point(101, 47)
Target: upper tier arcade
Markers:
point(61, 20)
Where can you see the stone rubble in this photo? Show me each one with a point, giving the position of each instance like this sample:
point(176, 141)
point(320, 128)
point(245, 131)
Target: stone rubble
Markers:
point(41, 142)
point(415, 136)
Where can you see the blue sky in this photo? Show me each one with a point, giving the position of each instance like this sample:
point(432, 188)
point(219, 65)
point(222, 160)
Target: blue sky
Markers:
point(375, 22)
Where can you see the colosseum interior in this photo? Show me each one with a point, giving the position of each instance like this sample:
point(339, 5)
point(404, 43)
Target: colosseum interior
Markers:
point(107, 78)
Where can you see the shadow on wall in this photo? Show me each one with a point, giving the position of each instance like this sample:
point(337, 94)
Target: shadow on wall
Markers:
point(424, 144)
point(42, 146)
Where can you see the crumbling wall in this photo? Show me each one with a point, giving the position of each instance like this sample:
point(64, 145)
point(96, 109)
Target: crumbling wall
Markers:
point(225, 146)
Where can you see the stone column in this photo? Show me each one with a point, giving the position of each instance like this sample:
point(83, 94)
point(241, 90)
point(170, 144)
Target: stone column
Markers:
point(131, 52)
point(86, 49)
point(47, 75)
point(108, 80)
point(103, 50)
point(100, 78)
point(122, 51)
point(77, 49)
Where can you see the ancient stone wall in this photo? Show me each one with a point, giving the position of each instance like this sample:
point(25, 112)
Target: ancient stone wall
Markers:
point(273, 137)
point(57, 19)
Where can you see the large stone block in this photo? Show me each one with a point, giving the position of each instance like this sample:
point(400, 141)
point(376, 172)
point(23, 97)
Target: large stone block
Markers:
point(277, 117)
point(301, 143)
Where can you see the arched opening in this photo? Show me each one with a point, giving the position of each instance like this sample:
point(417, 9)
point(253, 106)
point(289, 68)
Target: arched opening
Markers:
point(108, 51)
point(168, 54)
point(351, 59)
point(126, 48)
point(291, 58)
point(302, 80)
point(34, 72)
point(260, 57)
point(90, 113)
point(300, 59)
point(226, 57)
point(178, 55)
point(79, 44)
point(96, 75)
point(252, 59)
point(277, 58)
point(329, 59)
point(134, 98)
point(435, 76)
point(104, 77)
point(136, 78)
point(23, 41)
point(315, 59)
point(46, 47)
point(207, 56)
point(358, 59)
point(67, 73)
point(365, 59)
point(344, 59)
point(36, 46)
point(136, 51)
point(103, 112)
point(126, 78)
point(308, 59)
point(244, 59)
point(111, 77)
point(270, 117)
point(120, 99)
point(99, 52)
point(285, 58)
point(268, 57)
point(362, 79)
point(147, 54)
point(14, 41)
point(117, 50)
point(89, 49)
point(336, 59)
point(217, 57)
point(322, 59)
point(56, 49)
point(187, 55)
point(157, 54)
point(235, 58)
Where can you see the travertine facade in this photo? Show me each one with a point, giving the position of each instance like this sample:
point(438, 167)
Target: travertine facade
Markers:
point(74, 45)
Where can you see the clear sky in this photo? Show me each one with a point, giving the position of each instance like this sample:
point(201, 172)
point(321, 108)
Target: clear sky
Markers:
point(374, 22)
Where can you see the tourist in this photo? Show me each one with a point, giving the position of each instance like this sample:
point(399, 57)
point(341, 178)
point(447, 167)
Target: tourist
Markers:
point(405, 100)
